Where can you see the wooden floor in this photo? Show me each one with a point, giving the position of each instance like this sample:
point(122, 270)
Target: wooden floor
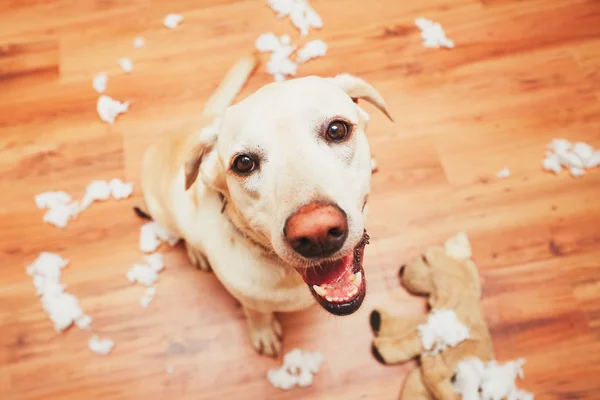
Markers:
point(522, 73)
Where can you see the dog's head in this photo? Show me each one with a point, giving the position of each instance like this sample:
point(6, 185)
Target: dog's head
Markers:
point(293, 162)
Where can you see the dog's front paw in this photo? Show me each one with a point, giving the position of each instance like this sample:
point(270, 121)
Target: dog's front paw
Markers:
point(265, 334)
point(198, 258)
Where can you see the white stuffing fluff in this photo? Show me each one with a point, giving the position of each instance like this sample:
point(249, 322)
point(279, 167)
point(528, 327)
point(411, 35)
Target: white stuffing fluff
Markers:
point(97, 190)
point(139, 42)
point(298, 369)
point(576, 157)
point(142, 274)
point(61, 207)
point(279, 64)
point(313, 49)
point(475, 380)
point(100, 81)
point(301, 14)
point(155, 262)
point(433, 34)
point(109, 108)
point(84, 322)
point(503, 173)
point(458, 247)
point(51, 199)
point(170, 369)
point(148, 297)
point(62, 308)
point(552, 163)
point(152, 234)
point(119, 189)
point(441, 330)
point(576, 172)
point(147, 274)
point(172, 20)
point(126, 64)
point(100, 346)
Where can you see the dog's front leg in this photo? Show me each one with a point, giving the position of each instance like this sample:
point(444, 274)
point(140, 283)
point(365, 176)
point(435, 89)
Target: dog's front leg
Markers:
point(197, 258)
point(265, 332)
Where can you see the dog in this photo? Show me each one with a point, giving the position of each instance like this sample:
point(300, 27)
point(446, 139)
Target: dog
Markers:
point(271, 194)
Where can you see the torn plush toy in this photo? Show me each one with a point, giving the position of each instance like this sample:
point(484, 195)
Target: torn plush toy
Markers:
point(453, 343)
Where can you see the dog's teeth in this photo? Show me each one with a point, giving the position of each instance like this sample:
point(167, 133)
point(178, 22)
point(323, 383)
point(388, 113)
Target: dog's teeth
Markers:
point(329, 299)
point(357, 278)
point(319, 290)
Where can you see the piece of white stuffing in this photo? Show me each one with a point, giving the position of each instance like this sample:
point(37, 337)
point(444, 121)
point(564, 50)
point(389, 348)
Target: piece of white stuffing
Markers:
point(552, 163)
point(576, 172)
point(279, 65)
point(62, 308)
point(126, 64)
point(51, 199)
point(301, 14)
point(84, 322)
point(170, 369)
point(313, 49)
point(155, 262)
point(96, 190)
point(442, 329)
point(503, 173)
point(152, 234)
point(148, 297)
point(100, 81)
point(139, 42)
point(475, 380)
point(172, 20)
point(267, 42)
point(142, 274)
point(583, 151)
point(576, 157)
point(61, 207)
point(298, 369)
point(100, 346)
point(433, 34)
point(108, 108)
point(119, 189)
point(458, 247)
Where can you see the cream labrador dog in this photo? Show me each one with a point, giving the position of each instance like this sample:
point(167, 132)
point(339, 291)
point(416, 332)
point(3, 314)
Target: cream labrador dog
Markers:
point(271, 194)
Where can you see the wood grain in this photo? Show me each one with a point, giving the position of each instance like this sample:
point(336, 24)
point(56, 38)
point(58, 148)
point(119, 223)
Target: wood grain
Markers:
point(522, 73)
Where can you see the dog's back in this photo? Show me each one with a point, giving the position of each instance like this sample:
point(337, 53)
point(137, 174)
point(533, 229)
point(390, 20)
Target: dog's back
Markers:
point(164, 160)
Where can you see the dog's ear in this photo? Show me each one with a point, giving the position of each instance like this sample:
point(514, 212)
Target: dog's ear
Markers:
point(203, 143)
point(358, 88)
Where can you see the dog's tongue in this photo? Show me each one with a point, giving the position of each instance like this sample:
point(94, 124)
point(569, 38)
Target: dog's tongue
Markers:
point(328, 272)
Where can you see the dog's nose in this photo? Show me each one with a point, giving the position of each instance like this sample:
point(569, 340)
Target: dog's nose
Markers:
point(316, 230)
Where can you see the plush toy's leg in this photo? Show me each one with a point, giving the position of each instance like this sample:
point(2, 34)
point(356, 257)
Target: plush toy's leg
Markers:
point(384, 324)
point(414, 388)
point(397, 349)
point(438, 378)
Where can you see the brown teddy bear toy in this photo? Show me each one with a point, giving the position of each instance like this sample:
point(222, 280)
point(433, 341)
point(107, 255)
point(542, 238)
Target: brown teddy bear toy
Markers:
point(454, 331)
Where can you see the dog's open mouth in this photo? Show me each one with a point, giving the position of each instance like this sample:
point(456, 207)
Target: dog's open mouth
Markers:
point(339, 286)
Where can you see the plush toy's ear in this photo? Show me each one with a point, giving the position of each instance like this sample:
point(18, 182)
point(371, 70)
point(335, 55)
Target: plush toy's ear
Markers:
point(358, 88)
point(203, 143)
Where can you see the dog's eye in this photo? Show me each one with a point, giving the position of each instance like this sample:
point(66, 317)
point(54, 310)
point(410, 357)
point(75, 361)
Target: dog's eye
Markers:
point(337, 131)
point(244, 164)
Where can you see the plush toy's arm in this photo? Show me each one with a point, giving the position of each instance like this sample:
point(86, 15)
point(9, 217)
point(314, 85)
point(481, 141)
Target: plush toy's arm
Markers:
point(394, 350)
point(437, 377)
point(397, 338)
